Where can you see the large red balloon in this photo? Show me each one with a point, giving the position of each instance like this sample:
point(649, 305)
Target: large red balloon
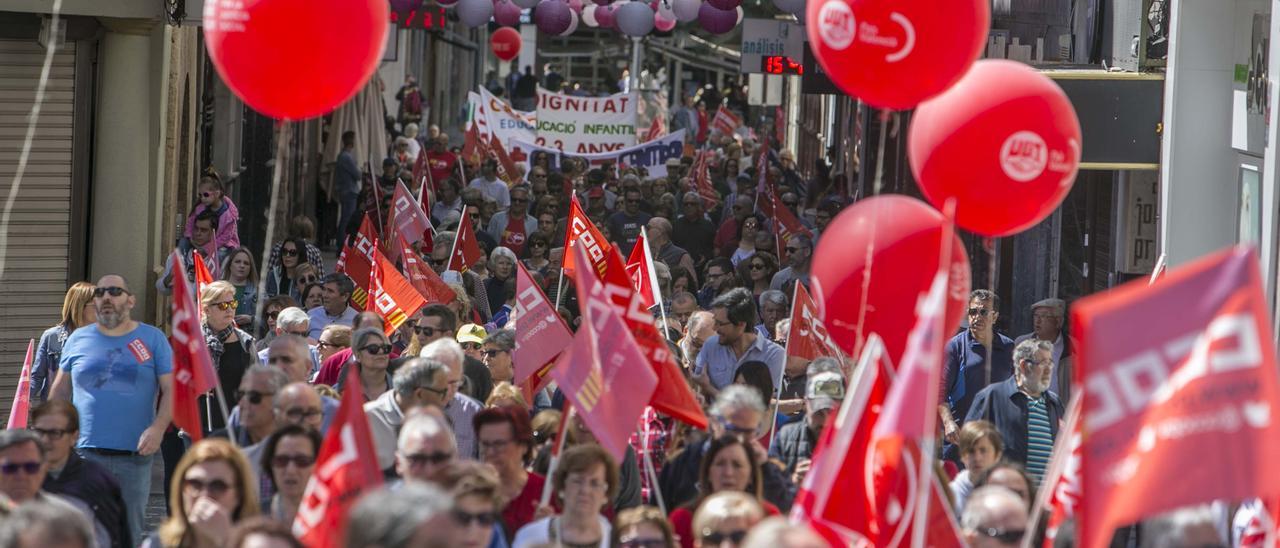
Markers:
point(1005, 142)
point(907, 235)
point(894, 54)
point(505, 43)
point(296, 59)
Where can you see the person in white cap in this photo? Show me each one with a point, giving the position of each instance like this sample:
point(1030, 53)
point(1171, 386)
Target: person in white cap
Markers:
point(795, 441)
point(1048, 317)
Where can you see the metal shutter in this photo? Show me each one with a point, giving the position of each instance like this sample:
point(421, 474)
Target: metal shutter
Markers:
point(35, 275)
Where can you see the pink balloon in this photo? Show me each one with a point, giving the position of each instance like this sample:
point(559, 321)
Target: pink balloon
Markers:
point(662, 23)
point(605, 16)
point(552, 16)
point(576, 6)
point(717, 21)
point(506, 13)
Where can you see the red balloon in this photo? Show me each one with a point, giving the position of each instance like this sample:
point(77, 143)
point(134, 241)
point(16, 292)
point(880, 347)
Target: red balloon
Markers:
point(505, 43)
point(894, 54)
point(296, 59)
point(1004, 142)
point(906, 235)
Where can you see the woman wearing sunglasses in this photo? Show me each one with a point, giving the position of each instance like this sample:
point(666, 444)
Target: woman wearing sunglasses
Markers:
point(284, 278)
point(758, 272)
point(370, 355)
point(288, 458)
point(213, 488)
point(537, 252)
point(729, 467)
point(230, 348)
point(477, 504)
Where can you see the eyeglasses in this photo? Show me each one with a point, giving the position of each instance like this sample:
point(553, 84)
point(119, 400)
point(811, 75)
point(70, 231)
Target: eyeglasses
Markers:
point(289, 252)
point(300, 414)
point(377, 349)
point(437, 391)
point(13, 468)
point(429, 331)
point(301, 461)
point(308, 280)
point(327, 344)
point(483, 519)
point(272, 315)
point(733, 428)
point(757, 266)
point(981, 312)
point(254, 396)
point(471, 346)
point(225, 305)
point(492, 353)
point(494, 445)
point(98, 292)
point(422, 459)
point(1012, 536)
point(715, 538)
point(215, 488)
point(51, 434)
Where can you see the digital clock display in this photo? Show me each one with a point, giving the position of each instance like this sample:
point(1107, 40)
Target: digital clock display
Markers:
point(780, 64)
point(419, 18)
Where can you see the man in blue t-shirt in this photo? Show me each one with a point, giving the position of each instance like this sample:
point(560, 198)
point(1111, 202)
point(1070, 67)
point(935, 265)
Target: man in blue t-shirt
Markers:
point(113, 371)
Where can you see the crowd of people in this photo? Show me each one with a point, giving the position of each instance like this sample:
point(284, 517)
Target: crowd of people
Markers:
point(465, 451)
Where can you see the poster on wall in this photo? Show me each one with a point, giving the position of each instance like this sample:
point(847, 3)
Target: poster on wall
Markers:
point(586, 125)
point(1251, 90)
point(1250, 226)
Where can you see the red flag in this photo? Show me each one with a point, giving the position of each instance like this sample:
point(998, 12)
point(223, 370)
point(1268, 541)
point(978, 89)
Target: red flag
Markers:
point(506, 167)
point(914, 398)
point(539, 380)
point(581, 228)
point(422, 277)
point(203, 277)
point(655, 130)
point(673, 397)
point(394, 299)
point(808, 337)
point(346, 468)
point(1061, 488)
point(407, 217)
point(702, 179)
point(1192, 396)
point(193, 372)
point(358, 262)
point(640, 271)
point(542, 334)
point(725, 122)
point(22, 398)
point(603, 373)
point(471, 149)
point(466, 249)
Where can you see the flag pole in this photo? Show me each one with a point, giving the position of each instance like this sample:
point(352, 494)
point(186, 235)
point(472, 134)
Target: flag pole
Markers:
point(786, 353)
point(653, 279)
point(454, 250)
point(226, 419)
point(555, 452)
point(560, 284)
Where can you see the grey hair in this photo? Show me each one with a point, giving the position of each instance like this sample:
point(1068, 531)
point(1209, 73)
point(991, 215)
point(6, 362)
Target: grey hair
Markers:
point(502, 252)
point(774, 296)
point(983, 505)
point(296, 343)
point(292, 317)
point(345, 285)
point(777, 531)
point(446, 350)
point(1168, 530)
point(13, 437)
point(425, 425)
point(737, 396)
point(504, 339)
point(388, 519)
point(696, 319)
point(276, 377)
point(361, 337)
point(56, 524)
point(416, 373)
point(1026, 350)
point(823, 365)
point(444, 240)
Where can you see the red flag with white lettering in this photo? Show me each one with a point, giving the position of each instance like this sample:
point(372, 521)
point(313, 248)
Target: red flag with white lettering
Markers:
point(394, 299)
point(346, 468)
point(725, 122)
point(674, 396)
point(422, 277)
point(1192, 396)
point(407, 217)
point(357, 261)
point(808, 337)
point(542, 334)
point(604, 373)
point(582, 230)
point(193, 372)
point(639, 270)
point(466, 248)
point(1061, 487)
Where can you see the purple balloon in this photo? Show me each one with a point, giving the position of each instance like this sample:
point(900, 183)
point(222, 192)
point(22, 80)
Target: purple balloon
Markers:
point(506, 13)
point(474, 13)
point(605, 17)
point(576, 6)
point(552, 16)
point(602, 2)
point(717, 21)
point(726, 5)
point(686, 10)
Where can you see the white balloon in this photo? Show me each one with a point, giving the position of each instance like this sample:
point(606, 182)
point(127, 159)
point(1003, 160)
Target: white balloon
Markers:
point(589, 15)
point(686, 10)
point(634, 18)
point(573, 23)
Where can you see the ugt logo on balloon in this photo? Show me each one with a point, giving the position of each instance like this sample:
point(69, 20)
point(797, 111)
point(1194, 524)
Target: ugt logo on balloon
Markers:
point(1023, 156)
point(836, 24)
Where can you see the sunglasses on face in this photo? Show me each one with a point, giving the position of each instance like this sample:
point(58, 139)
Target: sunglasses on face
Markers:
point(492, 353)
point(253, 396)
point(289, 252)
point(757, 266)
point(715, 538)
point(470, 346)
point(537, 244)
point(272, 315)
point(225, 305)
point(301, 461)
point(308, 280)
point(980, 312)
point(519, 200)
point(422, 459)
point(427, 331)
point(1002, 536)
point(98, 292)
point(13, 468)
point(483, 519)
point(327, 344)
point(794, 250)
point(377, 349)
point(215, 488)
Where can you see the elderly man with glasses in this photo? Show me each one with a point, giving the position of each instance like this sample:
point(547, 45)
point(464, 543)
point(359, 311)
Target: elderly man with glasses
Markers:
point(1023, 408)
point(418, 383)
point(967, 369)
point(1048, 316)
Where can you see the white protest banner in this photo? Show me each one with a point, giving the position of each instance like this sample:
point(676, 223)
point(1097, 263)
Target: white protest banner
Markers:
point(495, 116)
point(652, 155)
point(586, 125)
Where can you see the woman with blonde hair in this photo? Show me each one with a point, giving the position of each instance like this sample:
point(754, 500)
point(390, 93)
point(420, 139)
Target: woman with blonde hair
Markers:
point(77, 311)
point(643, 527)
point(240, 270)
point(478, 502)
point(213, 489)
point(505, 394)
point(461, 305)
point(230, 348)
point(725, 517)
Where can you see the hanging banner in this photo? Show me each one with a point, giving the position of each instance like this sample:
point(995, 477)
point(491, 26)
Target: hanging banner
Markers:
point(586, 125)
point(652, 155)
point(494, 116)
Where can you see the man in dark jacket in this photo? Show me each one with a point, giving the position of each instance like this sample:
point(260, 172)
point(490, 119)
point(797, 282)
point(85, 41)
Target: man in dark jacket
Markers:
point(1023, 409)
point(794, 443)
point(69, 475)
point(737, 411)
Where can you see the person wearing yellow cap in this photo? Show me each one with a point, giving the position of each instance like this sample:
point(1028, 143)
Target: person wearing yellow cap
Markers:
point(471, 336)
